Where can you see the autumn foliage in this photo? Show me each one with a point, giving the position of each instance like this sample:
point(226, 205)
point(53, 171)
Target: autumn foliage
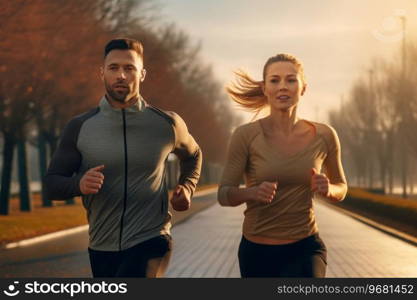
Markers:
point(50, 56)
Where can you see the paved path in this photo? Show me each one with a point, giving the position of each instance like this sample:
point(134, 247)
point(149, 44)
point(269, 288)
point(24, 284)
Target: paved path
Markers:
point(206, 246)
point(64, 256)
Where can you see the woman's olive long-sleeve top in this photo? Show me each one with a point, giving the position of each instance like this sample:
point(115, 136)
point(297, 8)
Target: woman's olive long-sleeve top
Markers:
point(290, 215)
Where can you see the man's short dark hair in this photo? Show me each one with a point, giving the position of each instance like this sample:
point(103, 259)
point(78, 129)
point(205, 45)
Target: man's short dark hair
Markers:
point(124, 44)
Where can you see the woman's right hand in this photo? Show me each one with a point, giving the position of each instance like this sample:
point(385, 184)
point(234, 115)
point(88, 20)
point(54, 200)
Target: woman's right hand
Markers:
point(265, 192)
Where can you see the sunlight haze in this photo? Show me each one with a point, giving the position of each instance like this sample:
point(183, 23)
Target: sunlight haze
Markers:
point(336, 40)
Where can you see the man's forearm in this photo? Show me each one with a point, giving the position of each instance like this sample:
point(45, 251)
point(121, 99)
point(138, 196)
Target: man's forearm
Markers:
point(61, 188)
point(190, 171)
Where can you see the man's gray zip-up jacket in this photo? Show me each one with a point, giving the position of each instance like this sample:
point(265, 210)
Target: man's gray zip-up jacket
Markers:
point(133, 144)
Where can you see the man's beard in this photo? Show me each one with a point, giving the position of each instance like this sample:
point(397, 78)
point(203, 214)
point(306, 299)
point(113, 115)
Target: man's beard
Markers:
point(122, 96)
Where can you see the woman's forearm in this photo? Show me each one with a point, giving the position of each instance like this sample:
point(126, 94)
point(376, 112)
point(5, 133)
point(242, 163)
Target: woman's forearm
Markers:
point(234, 196)
point(337, 192)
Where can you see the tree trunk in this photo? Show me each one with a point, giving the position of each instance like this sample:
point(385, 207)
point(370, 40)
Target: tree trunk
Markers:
point(70, 201)
point(24, 188)
point(43, 165)
point(6, 178)
point(390, 161)
point(53, 132)
point(371, 173)
point(363, 174)
point(53, 144)
point(358, 178)
point(383, 171)
point(391, 179)
point(404, 172)
point(404, 181)
point(382, 164)
point(359, 172)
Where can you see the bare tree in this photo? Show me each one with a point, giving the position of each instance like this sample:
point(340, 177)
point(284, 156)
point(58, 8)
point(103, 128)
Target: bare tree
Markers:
point(56, 76)
point(380, 117)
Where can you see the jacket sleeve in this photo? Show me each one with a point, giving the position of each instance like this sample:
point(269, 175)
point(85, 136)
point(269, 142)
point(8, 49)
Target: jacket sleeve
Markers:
point(61, 180)
point(188, 153)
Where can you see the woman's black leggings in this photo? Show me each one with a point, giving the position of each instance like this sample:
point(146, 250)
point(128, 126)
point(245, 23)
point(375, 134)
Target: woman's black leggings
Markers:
point(304, 258)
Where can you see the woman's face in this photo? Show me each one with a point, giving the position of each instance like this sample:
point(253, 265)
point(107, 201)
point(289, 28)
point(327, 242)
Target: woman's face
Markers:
point(283, 85)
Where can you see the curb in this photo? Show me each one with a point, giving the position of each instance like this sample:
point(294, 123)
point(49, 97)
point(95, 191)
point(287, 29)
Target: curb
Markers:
point(61, 233)
point(384, 228)
point(45, 237)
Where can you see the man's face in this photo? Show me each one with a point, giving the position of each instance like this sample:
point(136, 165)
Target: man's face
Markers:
point(122, 74)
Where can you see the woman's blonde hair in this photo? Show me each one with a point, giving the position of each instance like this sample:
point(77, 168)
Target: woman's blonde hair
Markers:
point(248, 92)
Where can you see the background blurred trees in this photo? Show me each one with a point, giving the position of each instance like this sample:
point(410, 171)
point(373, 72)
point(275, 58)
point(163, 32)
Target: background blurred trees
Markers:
point(377, 124)
point(50, 56)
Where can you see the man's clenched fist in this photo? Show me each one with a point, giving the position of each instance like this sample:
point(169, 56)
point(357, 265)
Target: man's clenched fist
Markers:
point(92, 180)
point(180, 199)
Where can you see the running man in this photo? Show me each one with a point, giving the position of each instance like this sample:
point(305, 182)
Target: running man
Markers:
point(114, 156)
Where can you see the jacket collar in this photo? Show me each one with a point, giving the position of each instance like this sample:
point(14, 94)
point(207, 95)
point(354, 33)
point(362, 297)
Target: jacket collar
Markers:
point(139, 106)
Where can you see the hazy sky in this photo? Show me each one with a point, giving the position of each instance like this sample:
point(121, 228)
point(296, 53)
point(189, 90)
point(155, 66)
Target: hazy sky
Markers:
point(336, 40)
